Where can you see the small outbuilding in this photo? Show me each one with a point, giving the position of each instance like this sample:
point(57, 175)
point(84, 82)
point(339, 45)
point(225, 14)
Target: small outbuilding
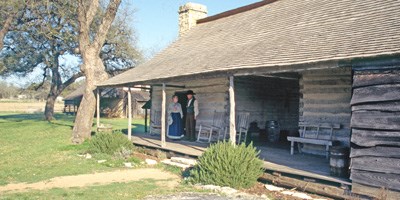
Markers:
point(113, 102)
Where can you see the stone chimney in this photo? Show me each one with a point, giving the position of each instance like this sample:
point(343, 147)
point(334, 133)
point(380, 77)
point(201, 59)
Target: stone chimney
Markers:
point(189, 14)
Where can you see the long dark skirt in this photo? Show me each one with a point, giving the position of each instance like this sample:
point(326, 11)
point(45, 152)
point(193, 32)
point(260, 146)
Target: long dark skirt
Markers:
point(175, 130)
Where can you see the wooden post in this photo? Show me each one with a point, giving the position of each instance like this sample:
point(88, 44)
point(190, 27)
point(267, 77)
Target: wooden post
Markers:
point(145, 120)
point(97, 108)
point(129, 114)
point(163, 112)
point(232, 120)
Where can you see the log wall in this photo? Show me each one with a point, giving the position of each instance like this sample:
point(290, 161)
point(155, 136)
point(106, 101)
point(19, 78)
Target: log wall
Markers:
point(212, 95)
point(375, 123)
point(268, 98)
point(325, 98)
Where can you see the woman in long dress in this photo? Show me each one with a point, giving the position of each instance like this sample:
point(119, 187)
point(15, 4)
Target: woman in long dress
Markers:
point(175, 115)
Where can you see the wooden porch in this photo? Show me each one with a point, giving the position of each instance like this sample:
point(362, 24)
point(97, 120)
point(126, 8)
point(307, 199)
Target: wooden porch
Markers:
point(276, 159)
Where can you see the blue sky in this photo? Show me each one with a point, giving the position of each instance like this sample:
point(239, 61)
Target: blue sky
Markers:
point(156, 21)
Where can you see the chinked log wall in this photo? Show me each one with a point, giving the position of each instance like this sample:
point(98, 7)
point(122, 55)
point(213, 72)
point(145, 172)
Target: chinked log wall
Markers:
point(268, 98)
point(212, 95)
point(375, 127)
point(325, 98)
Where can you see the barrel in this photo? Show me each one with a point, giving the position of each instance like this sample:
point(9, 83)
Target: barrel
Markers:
point(339, 161)
point(273, 130)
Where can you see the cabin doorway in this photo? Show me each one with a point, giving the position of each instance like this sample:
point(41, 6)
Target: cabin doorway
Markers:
point(273, 104)
point(182, 99)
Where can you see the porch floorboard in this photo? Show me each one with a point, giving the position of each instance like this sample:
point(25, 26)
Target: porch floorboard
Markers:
point(275, 159)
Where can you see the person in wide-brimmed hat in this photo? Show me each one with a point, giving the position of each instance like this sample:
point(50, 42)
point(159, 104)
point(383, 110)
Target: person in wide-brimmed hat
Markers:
point(192, 111)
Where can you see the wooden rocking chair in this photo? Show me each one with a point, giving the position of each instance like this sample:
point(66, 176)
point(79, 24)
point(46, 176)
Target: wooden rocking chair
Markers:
point(206, 131)
point(155, 121)
point(242, 127)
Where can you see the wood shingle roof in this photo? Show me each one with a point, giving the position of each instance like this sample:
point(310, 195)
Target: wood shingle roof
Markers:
point(281, 33)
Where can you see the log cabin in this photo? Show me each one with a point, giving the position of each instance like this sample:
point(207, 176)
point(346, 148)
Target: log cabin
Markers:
point(294, 62)
point(114, 103)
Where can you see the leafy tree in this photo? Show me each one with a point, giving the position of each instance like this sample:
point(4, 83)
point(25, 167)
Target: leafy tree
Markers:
point(50, 37)
point(9, 11)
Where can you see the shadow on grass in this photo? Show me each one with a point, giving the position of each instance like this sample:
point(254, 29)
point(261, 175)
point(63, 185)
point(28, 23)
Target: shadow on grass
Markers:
point(137, 128)
point(18, 117)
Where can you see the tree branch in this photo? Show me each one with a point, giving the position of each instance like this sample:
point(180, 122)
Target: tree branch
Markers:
point(91, 11)
point(43, 80)
point(6, 27)
point(106, 24)
point(70, 81)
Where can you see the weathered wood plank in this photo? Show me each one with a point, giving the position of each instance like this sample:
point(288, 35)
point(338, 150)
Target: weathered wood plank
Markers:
point(389, 181)
point(378, 93)
point(364, 78)
point(378, 193)
point(378, 151)
point(376, 164)
point(326, 190)
point(376, 120)
point(327, 90)
point(378, 106)
point(329, 72)
point(310, 141)
point(339, 81)
point(369, 138)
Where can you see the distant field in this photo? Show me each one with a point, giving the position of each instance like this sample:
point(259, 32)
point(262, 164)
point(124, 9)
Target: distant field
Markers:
point(26, 107)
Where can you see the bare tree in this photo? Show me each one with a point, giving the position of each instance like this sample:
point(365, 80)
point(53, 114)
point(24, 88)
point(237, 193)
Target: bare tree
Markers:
point(92, 67)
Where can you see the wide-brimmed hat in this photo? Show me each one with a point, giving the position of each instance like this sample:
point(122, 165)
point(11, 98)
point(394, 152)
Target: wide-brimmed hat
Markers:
point(190, 92)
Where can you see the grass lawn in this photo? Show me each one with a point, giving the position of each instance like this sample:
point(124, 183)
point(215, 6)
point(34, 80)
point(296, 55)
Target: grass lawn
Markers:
point(132, 190)
point(32, 149)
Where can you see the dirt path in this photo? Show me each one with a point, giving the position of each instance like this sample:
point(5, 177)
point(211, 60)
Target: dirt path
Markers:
point(95, 179)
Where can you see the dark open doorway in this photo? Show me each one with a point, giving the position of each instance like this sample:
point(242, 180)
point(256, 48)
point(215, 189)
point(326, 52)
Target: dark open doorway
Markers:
point(182, 99)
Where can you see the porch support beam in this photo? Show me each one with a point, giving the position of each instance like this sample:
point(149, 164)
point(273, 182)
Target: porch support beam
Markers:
point(129, 114)
point(232, 120)
point(171, 86)
point(97, 108)
point(163, 112)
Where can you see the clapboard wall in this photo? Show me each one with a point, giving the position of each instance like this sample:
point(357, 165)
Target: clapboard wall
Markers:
point(325, 98)
point(212, 95)
point(375, 123)
point(268, 98)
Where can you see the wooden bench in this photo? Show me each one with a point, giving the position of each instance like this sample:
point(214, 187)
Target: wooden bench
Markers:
point(308, 136)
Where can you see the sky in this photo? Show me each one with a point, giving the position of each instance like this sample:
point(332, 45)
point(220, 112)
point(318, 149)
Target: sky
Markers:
point(156, 21)
point(156, 25)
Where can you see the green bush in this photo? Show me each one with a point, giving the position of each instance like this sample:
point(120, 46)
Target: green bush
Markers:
point(223, 164)
point(109, 143)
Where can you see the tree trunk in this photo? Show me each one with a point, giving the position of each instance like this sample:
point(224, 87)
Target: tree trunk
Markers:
point(49, 108)
point(92, 66)
point(95, 73)
point(56, 87)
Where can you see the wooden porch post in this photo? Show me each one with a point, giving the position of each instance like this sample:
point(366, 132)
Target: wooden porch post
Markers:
point(163, 112)
point(129, 114)
point(97, 108)
point(232, 120)
point(145, 120)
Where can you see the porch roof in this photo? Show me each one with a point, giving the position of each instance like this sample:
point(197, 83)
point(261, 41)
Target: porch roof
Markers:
point(276, 33)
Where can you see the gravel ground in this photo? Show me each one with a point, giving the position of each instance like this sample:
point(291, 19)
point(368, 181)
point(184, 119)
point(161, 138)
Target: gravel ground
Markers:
point(200, 196)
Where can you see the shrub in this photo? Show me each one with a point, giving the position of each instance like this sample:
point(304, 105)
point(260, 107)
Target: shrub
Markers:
point(226, 165)
point(109, 143)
